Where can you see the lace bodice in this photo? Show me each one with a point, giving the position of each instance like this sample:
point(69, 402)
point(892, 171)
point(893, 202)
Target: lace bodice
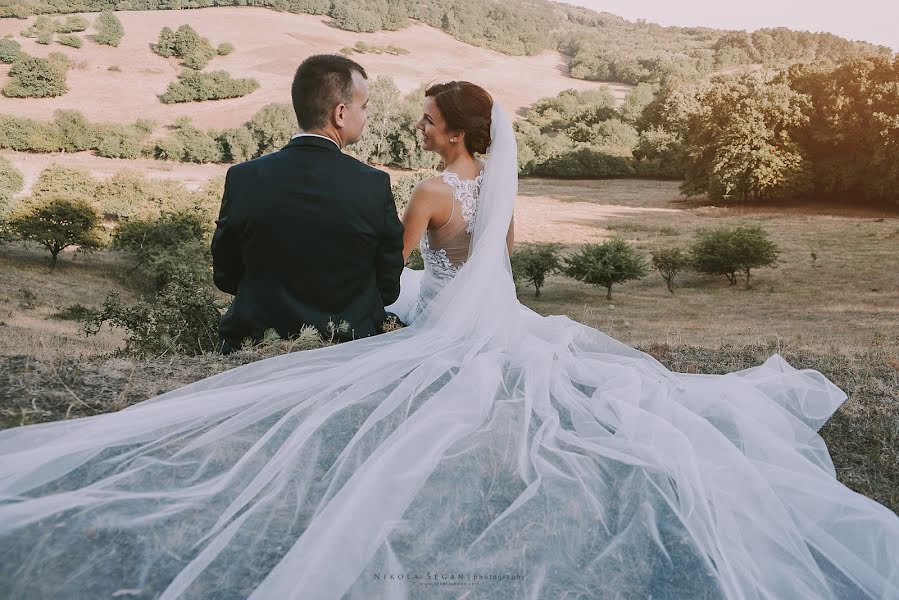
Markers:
point(445, 250)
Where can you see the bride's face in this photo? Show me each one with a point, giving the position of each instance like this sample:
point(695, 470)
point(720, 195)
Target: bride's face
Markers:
point(435, 137)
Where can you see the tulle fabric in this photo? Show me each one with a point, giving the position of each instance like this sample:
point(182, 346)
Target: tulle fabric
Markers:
point(482, 452)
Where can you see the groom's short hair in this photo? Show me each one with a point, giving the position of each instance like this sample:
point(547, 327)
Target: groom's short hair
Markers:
point(322, 82)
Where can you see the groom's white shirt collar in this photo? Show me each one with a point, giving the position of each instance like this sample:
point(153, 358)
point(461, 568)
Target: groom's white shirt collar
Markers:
point(324, 137)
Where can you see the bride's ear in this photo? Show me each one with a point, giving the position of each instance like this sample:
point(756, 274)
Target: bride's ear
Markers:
point(457, 137)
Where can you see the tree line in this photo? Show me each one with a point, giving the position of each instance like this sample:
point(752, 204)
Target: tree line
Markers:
point(602, 46)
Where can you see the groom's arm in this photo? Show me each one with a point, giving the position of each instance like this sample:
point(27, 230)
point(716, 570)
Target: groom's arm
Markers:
point(389, 258)
point(227, 263)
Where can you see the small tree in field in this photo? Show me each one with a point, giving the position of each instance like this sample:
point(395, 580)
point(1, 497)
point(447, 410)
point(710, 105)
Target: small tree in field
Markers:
point(669, 262)
point(731, 250)
point(109, 29)
point(606, 264)
point(58, 224)
point(532, 262)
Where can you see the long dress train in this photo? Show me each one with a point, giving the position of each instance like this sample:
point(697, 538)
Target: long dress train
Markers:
point(482, 452)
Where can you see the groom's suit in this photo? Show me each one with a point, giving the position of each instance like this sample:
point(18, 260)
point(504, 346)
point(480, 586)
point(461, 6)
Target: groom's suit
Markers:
point(306, 235)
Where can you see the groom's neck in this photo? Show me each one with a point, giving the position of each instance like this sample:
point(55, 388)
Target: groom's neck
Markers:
point(328, 133)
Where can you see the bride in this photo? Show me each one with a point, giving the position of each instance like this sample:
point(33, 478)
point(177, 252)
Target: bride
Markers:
point(482, 452)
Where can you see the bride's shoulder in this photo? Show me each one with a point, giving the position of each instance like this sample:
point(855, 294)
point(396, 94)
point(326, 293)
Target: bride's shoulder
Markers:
point(432, 188)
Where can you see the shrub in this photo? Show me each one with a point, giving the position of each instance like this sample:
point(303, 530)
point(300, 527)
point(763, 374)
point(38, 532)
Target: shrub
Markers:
point(272, 127)
point(114, 140)
point(129, 194)
point(71, 40)
point(171, 247)
point(75, 132)
point(57, 181)
point(224, 49)
point(669, 262)
point(237, 144)
point(10, 51)
point(194, 50)
point(109, 29)
point(72, 24)
point(182, 318)
point(532, 262)
point(34, 77)
point(731, 250)
point(193, 86)
point(11, 182)
point(59, 224)
point(606, 264)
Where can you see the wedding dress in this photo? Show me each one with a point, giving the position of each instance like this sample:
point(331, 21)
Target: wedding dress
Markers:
point(482, 452)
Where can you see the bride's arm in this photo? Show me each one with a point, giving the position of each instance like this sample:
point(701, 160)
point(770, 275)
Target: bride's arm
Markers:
point(510, 237)
point(415, 220)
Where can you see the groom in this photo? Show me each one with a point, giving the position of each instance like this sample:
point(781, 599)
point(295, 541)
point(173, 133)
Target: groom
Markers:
point(308, 235)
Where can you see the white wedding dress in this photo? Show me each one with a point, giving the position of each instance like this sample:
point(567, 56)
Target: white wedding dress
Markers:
point(482, 452)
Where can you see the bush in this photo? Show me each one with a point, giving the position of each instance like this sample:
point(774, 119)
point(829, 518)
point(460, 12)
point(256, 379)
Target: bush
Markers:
point(532, 262)
point(113, 140)
point(174, 246)
point(34, 77)
point(11, 182)
point(71, 40)
point(728, 251)
point(194, 50)
point(59, 224)
point(187, 143)
point(72, 24)
point(224, 49)
point(606, 264)
point(76, 134)
point(129, 194)
point(193, 86)
point(272, 127)
point(109, 29)
point(57, 181)
point(10, 51)
point(182, 318)
point(669, 262)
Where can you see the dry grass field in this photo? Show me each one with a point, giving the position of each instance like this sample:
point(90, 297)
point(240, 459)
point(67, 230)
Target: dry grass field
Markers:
point(839, 315)
point(269, 47)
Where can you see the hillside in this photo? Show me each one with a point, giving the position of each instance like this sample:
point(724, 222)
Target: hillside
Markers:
point(269, 47)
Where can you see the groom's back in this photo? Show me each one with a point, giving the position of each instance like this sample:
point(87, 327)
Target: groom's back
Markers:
point(307, 235)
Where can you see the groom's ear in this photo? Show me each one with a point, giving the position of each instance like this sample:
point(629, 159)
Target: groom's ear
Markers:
point(338, 114)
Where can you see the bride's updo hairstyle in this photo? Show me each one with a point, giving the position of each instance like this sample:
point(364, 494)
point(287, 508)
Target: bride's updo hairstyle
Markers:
point(465, 107)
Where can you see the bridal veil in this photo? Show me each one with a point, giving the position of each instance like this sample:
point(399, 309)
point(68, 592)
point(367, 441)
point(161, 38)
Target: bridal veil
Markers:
point(483, 452)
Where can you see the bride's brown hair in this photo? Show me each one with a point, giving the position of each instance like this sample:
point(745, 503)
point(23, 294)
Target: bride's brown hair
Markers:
point(465, 107)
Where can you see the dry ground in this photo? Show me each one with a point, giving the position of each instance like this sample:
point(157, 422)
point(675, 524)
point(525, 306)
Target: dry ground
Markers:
point(839, 316)
point(269, 47)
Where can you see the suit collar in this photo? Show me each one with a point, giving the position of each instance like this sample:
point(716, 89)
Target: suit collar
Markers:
point(313, 140)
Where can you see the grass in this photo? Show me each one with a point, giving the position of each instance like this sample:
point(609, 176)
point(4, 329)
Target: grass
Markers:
point(838, 314)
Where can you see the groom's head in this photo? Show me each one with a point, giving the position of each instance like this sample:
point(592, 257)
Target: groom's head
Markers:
point(330, 96)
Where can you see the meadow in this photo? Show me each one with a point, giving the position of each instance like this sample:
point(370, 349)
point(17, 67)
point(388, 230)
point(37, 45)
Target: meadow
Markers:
point(837, 313)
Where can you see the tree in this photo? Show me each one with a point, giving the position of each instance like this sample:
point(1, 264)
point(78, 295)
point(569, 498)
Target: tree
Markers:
point(34, 77)
point(731, 250)
point(272, 127)
point(109, 29)
point(165, 44)
point(383, 112)
point(532, 262)
point(738, 144)
point(170, 247)
point(606, 264)
point(59, 224)
point(669, 262)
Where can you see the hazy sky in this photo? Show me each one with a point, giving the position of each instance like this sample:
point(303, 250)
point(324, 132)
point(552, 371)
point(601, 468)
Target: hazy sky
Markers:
point(875, 21)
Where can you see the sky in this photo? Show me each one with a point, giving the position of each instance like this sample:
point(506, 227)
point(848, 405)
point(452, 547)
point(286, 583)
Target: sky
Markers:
point(875, 21)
